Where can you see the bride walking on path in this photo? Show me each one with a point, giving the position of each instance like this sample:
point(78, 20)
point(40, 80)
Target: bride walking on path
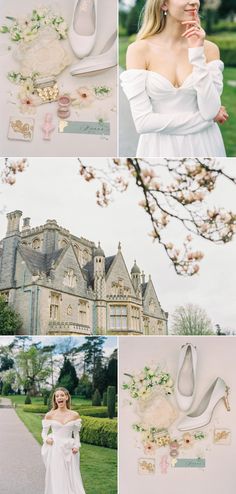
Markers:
point(60, 450)
point(174, 83)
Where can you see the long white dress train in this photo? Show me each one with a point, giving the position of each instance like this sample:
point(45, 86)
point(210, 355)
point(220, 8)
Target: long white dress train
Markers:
point(173, 121)
point(62, 466)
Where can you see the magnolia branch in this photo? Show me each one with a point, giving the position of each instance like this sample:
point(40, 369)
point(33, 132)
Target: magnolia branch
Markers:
point(173, 190)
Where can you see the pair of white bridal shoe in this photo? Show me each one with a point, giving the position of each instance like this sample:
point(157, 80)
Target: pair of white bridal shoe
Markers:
point(185, 388)
point(82, 36)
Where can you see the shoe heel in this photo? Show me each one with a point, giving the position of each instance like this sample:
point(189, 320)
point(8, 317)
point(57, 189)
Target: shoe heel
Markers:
point(226, 399)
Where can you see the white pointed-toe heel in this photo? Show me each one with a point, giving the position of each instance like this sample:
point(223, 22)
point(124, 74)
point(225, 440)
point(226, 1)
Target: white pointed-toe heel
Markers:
point(203, 413)
point(83, 29)
point(185, 384)
point(105, 60)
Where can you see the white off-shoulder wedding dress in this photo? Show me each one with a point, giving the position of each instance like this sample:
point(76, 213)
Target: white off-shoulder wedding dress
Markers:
point(177, 121)
point(62, 466)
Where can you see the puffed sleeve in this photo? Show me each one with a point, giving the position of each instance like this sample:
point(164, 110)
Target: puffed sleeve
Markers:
point(45, 428)
point(133, 82)
point(76, 433)
point(208, 81)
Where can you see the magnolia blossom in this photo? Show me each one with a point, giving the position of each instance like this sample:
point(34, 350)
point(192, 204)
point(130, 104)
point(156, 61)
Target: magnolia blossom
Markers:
point(12, 168)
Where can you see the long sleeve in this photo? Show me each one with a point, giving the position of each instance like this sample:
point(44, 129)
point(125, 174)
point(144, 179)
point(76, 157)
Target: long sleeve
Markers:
point(146, 120)
point(208, 81)
point(46, 426)
point(76, 433)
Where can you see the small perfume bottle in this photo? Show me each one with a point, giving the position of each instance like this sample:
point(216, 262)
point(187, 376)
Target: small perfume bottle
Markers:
point(63, 110)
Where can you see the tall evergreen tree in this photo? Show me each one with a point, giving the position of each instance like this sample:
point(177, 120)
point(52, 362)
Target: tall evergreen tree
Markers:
point(93, 351)
point(111, 373)
point(67, 377)
point(99, 376)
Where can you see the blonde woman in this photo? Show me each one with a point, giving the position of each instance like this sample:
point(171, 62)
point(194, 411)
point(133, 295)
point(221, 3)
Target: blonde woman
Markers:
point(60, 448)
point(174, 83)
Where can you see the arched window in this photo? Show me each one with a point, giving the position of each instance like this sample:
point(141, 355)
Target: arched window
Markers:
point(36, 244)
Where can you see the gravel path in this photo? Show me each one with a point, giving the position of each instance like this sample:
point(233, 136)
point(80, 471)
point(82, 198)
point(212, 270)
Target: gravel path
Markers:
point(21, 467)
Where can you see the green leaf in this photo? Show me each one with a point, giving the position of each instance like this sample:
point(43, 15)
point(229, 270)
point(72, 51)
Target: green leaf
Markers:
point(4, 29)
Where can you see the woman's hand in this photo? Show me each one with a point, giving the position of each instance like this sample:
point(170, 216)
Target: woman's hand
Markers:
point(49, 441)
point(194, 33)
point(75, 451)
point(222, 115)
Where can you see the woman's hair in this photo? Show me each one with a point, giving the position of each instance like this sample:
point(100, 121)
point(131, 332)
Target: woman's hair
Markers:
point(152, 19)
point(68, 403)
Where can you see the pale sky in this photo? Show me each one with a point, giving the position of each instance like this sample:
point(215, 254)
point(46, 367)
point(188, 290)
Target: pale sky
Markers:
point(52, 188)
point(109, 345)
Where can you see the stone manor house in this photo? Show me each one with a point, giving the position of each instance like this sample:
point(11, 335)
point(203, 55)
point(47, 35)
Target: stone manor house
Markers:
point(64, 284)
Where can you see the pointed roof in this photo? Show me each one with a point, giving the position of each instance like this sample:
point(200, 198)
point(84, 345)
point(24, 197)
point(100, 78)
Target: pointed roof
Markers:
point(135, 269)
point(37, 261)
point(99, 251)
point(143, 288)
point(108, 262)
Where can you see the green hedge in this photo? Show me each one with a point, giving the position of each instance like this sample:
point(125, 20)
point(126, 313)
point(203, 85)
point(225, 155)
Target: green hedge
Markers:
point(224, 26)
point(100, 412)
point(227, 45)
point(101, 432)
point(35, 408)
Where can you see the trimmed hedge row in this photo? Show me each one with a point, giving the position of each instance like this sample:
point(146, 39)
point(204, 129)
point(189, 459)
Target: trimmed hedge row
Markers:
point(227, 45)
point(101, 432)
point(35, 408)
point(100, 412)
point(224, 26)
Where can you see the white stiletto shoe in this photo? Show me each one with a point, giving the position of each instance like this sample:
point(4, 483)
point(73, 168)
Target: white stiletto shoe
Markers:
point(106, 59)
point(83, 28)
point(185, 384)
point(203, 413)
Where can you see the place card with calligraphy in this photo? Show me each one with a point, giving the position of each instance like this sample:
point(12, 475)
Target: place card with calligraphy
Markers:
point(146, 466)
point(222, 436)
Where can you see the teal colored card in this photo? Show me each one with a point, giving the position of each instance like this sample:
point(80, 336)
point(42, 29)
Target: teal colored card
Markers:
point(190, 463)
point(92, 128)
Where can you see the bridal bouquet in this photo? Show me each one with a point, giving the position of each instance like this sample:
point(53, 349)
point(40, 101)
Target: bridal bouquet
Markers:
point(141, 385)
point(26, 29)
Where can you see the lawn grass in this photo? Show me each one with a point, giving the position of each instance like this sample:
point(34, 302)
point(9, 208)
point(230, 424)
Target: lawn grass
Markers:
point(228, 100)
point(98, 465)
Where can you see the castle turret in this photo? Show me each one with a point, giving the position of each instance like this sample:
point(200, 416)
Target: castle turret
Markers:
point(100, 288)
point(9, 246)
point(99, 262)
point(13, 222)
point(136, 278)
point(50, 243)
point(26, 224)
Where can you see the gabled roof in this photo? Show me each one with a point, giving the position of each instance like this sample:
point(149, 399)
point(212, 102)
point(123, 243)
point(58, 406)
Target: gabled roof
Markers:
point(143, 288)
point(108, 263)
point(37, 261)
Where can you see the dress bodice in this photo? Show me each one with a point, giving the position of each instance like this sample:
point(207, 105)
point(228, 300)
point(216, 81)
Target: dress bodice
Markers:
point(166, 98)
point(167, 113)
point(68, 432)
point(163, 95)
